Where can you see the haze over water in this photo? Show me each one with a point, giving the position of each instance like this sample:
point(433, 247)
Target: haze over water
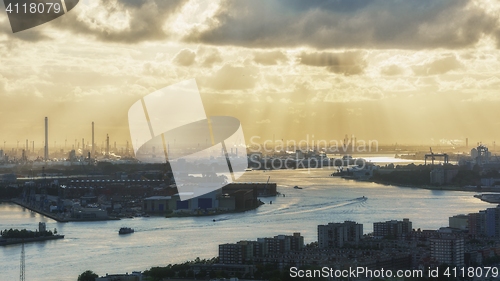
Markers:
point(159, 241)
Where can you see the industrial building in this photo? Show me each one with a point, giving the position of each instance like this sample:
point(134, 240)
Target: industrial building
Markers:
point(89, 214)
point(8, 178)
point(232, 197)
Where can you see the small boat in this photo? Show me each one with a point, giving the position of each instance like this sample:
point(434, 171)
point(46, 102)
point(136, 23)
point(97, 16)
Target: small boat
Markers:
point(126, 230)
point(297, 187)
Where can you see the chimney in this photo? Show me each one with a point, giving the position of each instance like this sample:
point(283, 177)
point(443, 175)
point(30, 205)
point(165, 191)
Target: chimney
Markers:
point(93, 144)
point(107, 144)
point(46, 150)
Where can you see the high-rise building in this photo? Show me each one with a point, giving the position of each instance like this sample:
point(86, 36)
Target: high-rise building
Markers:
point(477, 224)
point(283, 243)
point(448, 250)
point(459, 222)
point(493, 222)
point(244, 251)
point(232, 253)
point(335, 235)
point(393, 228)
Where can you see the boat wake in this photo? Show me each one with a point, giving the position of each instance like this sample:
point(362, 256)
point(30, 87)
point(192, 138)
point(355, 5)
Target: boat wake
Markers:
point(289, 210)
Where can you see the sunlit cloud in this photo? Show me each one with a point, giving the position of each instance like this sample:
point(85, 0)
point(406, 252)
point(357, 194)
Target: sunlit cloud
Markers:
point(372, 66)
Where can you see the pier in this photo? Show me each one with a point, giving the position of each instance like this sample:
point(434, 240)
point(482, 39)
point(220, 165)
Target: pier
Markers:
point(44, 213)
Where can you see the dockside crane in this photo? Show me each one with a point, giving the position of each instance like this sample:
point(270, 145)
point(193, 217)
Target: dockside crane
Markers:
point(433, 156)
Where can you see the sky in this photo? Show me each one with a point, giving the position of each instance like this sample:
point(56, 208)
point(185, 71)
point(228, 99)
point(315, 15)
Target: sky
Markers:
point(395, 71)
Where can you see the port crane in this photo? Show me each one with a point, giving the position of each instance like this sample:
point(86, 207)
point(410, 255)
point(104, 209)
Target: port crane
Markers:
point(433, 156)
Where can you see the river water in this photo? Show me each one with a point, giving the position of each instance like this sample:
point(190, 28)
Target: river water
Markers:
point(159, 241)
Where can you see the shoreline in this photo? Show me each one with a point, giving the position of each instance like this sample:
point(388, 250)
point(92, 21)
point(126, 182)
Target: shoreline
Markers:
point(445, 188)
point(430, 187)
point(170, 215)
point(47, 214)
point(13, 241)
point(181, 215)
point(53, 216)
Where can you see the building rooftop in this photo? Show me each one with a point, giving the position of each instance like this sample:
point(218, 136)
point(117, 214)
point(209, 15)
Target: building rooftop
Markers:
point(158, 198)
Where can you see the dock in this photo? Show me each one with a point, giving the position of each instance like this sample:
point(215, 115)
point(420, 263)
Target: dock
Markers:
point(41, 212)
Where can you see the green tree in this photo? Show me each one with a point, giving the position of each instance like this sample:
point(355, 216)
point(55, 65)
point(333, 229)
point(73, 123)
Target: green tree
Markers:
point(88, 275)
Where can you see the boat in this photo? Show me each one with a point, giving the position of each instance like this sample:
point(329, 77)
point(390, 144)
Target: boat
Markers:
point(126, 230)
point(297, 187)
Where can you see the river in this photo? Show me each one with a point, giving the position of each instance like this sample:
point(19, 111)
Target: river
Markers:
point(159, 241)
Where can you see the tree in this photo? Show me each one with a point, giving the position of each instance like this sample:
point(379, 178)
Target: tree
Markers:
point(88, 275)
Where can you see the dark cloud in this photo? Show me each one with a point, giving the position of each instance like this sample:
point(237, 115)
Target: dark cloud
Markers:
point(147, 18)
point(347, 24)
point(269, 58)
point(185, 57)
point(438, 66)
point(348, 63)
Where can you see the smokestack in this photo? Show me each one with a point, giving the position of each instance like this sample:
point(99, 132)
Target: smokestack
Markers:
point(83, 145)
point(107, 144)
point(46, 150)
point(93, 144)
point(27, 146)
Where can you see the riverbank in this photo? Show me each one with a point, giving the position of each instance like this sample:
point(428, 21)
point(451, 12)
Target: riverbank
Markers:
point(216, 213)
point(490, 198)
point(13, 241)
point(56, 217)
point(41, 212)
point(443, 187)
